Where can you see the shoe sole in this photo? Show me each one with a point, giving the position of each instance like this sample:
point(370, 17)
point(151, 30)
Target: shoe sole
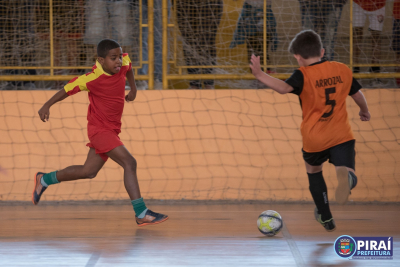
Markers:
point(144, 224)
point(343, 188)
point(34, 189)
point(330, 230)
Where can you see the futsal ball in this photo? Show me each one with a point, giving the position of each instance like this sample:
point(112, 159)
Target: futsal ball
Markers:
point(269, 222)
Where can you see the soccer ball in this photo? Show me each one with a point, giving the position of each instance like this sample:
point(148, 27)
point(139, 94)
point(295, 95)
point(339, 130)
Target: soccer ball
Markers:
point(269, 222)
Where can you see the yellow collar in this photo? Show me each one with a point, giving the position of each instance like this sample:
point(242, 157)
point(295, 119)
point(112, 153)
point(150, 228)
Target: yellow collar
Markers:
point(100, 70)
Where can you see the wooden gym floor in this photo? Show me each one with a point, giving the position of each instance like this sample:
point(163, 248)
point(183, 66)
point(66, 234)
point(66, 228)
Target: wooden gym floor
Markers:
point(195, 235)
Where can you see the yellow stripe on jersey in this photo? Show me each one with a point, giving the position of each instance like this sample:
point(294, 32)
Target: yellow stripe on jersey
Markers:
point(126, 60)
point(79, 84)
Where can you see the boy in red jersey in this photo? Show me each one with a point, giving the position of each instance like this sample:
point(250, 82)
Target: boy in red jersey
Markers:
point(106, 87)
point(322, 87)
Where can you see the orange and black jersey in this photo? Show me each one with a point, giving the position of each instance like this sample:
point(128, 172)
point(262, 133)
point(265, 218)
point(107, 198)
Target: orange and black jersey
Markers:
point(323, 88)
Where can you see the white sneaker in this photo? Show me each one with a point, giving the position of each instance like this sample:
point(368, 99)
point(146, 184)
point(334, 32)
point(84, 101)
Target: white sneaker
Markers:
point(3, 85)
point(158, 84)
point(378, 83)
point(30, 86)
point(142, 85)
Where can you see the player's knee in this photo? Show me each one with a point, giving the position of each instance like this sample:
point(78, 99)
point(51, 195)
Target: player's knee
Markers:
point(131, 163)
point(91, 174)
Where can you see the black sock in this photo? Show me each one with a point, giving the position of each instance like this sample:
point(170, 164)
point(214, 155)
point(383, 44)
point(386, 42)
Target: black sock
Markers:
point(319, 193)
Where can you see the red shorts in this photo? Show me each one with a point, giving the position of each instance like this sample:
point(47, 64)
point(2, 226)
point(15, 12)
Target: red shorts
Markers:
point(104, 142)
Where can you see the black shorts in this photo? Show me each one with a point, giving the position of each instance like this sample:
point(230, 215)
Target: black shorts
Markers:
point(339, 155)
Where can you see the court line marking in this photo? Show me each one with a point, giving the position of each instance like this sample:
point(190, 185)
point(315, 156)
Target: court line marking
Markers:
point(293, 247)
point(93, 259)
point(196, 211)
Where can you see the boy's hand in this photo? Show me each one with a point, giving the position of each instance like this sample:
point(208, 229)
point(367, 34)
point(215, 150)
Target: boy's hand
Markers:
point(130, 97)
point(364, 116)
point(44, 113)
point(255, 65)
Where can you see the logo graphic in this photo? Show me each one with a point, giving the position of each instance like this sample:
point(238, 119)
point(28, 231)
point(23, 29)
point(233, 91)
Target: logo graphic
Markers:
point(345, 246)
point(380, 18)
point(364, 248)
point(374, 248)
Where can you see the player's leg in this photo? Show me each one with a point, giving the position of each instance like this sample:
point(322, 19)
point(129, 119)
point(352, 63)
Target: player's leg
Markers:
point(211, 13)
point(120, 14)
point(343, 157)
point(376, 26)
point(357, 40)
point(396, 44)
point(144, 216)
point(343, 188)
point(93, 164)
point(359, 18)
point(188, 21)
point(318, 189)
point(347, 180)
point(96, 27)
point(376, 47)
point(332, 22)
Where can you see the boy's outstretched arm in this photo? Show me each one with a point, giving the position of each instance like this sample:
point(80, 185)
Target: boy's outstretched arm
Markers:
point(131, 80)
point(275, 84)
point(44, 112)
point(362, 103)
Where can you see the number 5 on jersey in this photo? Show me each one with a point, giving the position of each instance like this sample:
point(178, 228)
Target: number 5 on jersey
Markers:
point(328, 101)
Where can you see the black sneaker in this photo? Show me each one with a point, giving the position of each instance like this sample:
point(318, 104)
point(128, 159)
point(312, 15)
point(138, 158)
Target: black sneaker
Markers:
point(329, 225)
point(151, 218)
point(38, 189)
point(352, 180)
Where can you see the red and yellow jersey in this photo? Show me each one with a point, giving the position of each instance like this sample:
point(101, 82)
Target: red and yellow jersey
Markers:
point(371, 5)
point(324, 87)
point(106, 96)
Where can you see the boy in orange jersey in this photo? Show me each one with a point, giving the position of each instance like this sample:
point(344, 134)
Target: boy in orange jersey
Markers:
point(106, 87)
point(322, 87)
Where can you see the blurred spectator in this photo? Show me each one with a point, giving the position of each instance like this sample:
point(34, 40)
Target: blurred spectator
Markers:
point(250, 29)
point(108, 19)
point(17, 40)
point(68, 34)
point(157, 31)
point(396, 35)
point(323, 17)
point(198, 22)
point(375, 11)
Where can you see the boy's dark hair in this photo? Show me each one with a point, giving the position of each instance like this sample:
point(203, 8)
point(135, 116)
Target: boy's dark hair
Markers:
point(306, 44)
point(106, 45)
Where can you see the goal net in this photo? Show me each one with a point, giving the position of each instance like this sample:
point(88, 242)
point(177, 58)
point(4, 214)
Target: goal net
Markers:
point(194, 145)
point(228, 144)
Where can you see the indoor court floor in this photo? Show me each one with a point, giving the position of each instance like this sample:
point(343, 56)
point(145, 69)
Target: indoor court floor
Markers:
point(195, 235)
